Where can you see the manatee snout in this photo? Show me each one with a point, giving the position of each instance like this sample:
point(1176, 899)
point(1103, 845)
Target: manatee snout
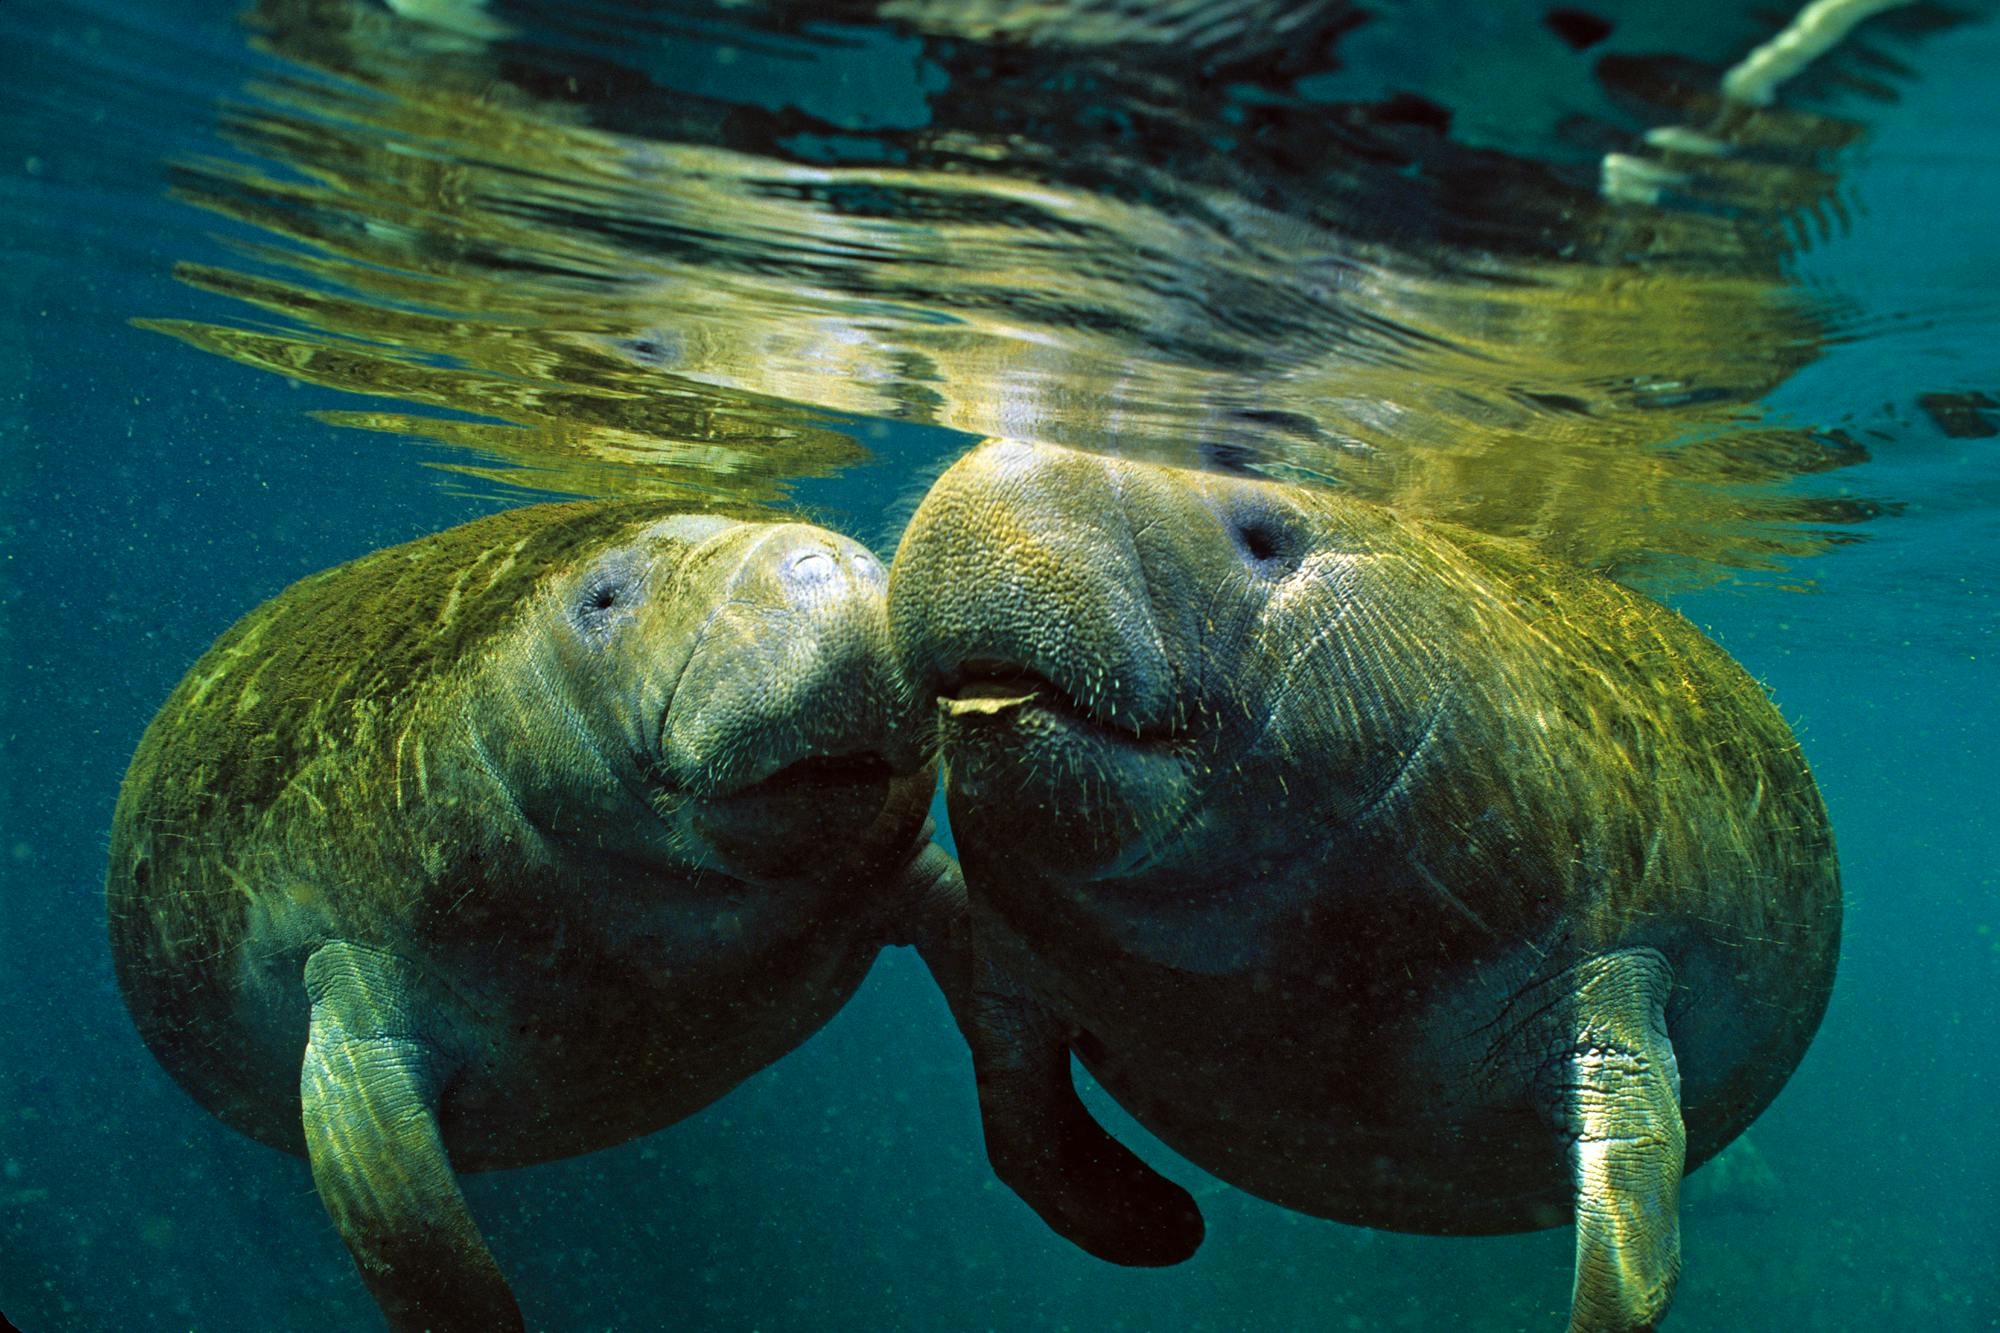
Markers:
point(1112, 582)
point(790, 713)
point(792, 665)
point(1079, 621)
point(1019, 579)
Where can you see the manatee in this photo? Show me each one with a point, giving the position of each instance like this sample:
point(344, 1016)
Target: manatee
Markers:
point(534, 836)
point(1385, 870)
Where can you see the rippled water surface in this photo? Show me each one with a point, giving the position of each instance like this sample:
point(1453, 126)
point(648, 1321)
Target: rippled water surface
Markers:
point(288, 284)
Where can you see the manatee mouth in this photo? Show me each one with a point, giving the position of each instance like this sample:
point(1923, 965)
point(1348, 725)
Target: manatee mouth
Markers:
point(1031, 768)
point(815, 774)
point(986, 691)
point(816, 818)
point(994, 689)
point(827, 770)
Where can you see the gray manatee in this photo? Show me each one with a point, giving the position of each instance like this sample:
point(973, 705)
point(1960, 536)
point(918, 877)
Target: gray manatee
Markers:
point(1385, 870)
point(533, 836)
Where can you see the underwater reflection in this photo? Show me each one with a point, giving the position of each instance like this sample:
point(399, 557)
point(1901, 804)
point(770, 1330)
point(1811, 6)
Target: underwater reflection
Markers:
point(646, 251)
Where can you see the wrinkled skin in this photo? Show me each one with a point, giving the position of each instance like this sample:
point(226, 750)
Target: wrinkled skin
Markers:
point(1385, 870)
point(533, 836)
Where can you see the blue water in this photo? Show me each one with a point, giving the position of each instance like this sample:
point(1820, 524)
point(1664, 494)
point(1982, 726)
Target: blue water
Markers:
point(151, 492)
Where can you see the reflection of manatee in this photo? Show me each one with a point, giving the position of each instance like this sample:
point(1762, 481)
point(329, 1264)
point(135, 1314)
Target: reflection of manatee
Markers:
point(1385, 870)
point(534, 836)
point(1341, 292)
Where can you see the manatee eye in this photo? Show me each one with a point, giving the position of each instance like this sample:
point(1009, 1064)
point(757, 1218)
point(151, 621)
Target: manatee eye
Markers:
point(1269, 544)
point(604, 598)
point(1259, 542)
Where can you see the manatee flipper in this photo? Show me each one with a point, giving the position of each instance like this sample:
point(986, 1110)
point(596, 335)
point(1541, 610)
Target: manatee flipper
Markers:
point(369, 1093)
point(933, 916)
point(1041, 1139)
point(1614, 1097)
point(1048, 1149)
point(1042, 1142)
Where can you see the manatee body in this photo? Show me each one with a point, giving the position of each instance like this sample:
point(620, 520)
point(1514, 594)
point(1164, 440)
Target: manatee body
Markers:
point(533, 836)
point(1385, 870)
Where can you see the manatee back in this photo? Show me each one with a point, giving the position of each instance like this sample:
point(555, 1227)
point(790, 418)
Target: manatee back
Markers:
point(303, 702)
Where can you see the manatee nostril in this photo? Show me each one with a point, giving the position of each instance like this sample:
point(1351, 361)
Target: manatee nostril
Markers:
point(811, 565)
point(868, 569)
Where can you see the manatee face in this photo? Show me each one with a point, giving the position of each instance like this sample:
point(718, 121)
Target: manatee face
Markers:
point(1147, 673)
point(738, 676)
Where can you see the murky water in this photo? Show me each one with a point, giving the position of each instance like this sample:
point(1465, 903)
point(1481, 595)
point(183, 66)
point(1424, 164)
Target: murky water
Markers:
point(1519, 268)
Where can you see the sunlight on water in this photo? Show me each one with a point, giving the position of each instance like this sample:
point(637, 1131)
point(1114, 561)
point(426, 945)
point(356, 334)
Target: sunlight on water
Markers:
point(638, 287)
